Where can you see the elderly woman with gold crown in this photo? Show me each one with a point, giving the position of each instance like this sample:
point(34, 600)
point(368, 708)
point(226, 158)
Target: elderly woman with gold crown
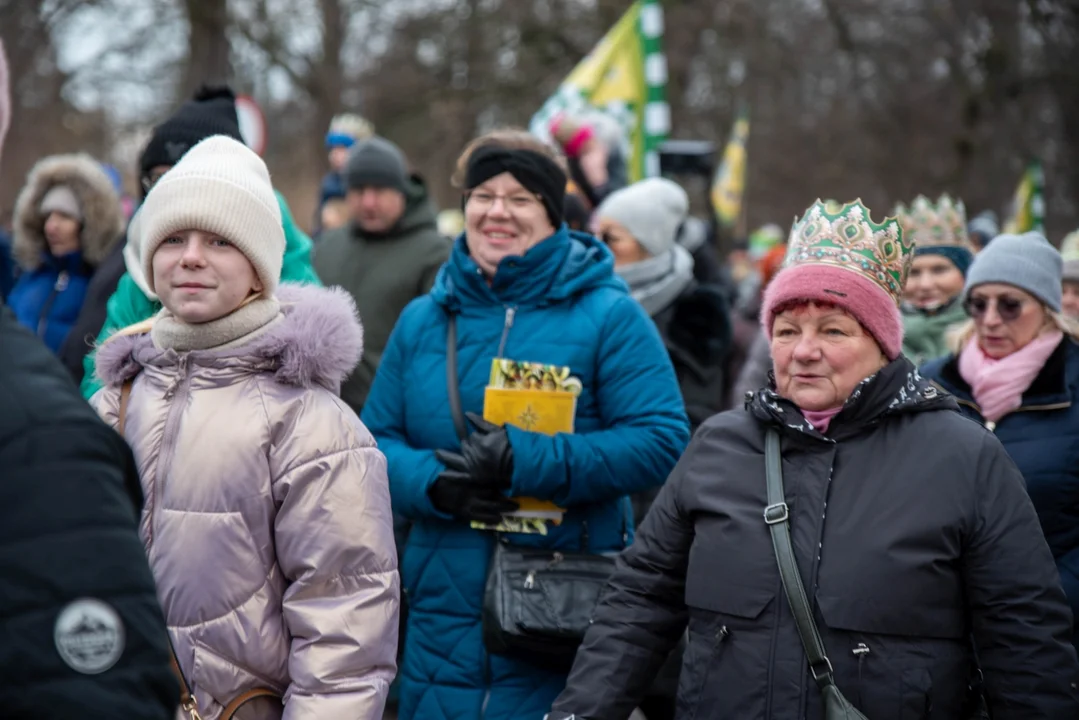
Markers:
point(845, 546)
point(942, 254)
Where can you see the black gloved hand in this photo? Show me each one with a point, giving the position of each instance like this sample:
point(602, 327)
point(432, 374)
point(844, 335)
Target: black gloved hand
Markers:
point(487, 452)
point(455, 492)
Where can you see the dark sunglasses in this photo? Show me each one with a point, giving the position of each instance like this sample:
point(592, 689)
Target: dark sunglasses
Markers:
point(1008, 308)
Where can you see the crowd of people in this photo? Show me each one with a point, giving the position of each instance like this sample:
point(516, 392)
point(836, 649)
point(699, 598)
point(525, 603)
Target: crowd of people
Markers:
point(251, 473)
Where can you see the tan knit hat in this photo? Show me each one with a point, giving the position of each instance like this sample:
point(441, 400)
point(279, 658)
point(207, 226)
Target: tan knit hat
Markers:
point(219, 186)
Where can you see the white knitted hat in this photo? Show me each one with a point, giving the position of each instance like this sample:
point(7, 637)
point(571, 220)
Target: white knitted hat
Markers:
point(219, 186)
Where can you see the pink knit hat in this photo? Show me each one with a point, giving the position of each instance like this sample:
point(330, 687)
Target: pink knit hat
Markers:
point(5, 98)
point(839, 256)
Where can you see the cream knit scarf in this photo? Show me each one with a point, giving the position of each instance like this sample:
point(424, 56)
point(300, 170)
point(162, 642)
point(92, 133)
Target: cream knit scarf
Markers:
point(249, 320)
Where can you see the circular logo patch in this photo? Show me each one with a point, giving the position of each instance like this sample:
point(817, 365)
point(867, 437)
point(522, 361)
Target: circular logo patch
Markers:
point(89, 636)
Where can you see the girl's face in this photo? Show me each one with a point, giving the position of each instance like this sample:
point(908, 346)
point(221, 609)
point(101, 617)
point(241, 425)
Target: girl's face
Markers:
point(201, 277)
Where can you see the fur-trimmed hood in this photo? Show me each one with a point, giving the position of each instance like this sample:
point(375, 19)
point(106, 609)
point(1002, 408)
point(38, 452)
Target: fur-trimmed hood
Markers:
point(103, 217)
point(318, 341)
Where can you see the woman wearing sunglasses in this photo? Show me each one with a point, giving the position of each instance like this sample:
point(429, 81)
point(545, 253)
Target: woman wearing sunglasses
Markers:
point(1016, 370)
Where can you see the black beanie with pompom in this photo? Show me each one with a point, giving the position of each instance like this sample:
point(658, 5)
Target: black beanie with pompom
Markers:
point(212, 111)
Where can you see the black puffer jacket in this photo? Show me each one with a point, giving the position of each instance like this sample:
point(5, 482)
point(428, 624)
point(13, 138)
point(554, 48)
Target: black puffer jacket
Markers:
point(912, 529)
point(696, 329)
point(81, 631)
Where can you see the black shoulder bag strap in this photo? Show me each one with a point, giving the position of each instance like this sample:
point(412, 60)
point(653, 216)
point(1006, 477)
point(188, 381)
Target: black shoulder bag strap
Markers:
point(451, 378)
point(777, 516)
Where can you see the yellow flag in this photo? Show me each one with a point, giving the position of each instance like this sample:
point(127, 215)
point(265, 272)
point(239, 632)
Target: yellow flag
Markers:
point(624, 77)
point(1028, 212)
point(730, 181)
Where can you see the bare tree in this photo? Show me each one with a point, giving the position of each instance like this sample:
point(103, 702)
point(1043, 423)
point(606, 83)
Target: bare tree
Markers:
point(208, 60)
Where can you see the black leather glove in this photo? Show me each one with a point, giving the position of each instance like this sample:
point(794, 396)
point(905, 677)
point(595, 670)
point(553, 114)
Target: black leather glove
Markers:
point(458, 493)
point(487, 452)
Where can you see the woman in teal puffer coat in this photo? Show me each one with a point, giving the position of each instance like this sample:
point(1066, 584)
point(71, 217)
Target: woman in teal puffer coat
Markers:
point(521, 286)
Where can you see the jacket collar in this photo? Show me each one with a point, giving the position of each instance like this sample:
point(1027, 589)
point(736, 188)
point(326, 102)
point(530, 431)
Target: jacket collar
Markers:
point(895, 390)
point(562, 265)
point(318, 341)
point(1050, 386)
point(72, 263)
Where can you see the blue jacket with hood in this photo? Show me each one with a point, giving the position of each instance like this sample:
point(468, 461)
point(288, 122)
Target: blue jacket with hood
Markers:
point(560, 303)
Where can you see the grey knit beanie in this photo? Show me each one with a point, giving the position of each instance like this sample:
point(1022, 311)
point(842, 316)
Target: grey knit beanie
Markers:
point(1025, 261)
point(377, 162)
point(651, 210)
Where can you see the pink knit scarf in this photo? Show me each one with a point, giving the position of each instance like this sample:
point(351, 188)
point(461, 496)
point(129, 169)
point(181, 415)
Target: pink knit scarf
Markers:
point(998, 385)
point(821, 419)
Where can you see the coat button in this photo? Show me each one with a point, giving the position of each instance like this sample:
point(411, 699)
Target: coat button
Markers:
point(990, 426)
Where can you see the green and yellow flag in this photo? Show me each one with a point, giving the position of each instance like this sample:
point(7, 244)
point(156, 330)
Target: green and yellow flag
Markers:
point(729, 186)
point(624, 77)
point(1028, 211)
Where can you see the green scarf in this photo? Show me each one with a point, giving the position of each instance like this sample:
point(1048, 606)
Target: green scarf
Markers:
point(925, 334)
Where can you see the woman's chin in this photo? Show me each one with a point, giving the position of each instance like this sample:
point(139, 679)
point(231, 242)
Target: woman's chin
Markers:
point(814, 400)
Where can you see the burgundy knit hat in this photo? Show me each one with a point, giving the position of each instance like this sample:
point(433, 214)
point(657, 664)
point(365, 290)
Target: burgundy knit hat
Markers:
point(838, 256)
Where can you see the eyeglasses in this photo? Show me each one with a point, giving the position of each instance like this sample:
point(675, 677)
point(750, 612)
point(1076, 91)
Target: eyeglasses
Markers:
point(1008, 308)
point(518, 202)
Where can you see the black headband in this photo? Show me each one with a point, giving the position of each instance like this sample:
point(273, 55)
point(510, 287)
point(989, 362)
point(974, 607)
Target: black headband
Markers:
point(535, 171)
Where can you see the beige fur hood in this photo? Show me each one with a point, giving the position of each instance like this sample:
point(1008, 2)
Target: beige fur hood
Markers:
point(103, 224)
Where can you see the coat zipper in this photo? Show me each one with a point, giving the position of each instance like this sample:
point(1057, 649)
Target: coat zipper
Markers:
point(861, 652)
point(992, 426)
point(58, 287)
point(720, 638)
point(511, 312)
point(176, 395)
point(815, 571)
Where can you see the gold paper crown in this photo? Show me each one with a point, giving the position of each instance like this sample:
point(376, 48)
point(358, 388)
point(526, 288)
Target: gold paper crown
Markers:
point(845, 236)
point(928, 225)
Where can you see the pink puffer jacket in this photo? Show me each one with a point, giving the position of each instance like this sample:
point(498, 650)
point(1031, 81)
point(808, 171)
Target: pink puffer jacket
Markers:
point(267, 518)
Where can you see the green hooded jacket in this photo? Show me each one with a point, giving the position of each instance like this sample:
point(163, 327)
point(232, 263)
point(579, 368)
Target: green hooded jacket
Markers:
point(383, 273)
point(130, 303)
point(925, 335)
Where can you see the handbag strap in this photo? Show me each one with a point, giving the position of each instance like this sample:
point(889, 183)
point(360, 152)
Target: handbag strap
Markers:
point(125, 398)
point(239, 701)
point(451, 379)
point(188, 703)
point(777, 516)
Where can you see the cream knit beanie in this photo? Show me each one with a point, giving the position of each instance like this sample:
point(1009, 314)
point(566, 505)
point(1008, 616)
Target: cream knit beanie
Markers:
point(223, 187)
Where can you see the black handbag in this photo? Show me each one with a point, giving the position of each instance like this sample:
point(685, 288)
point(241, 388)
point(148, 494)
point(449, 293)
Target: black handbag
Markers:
point(537, 603)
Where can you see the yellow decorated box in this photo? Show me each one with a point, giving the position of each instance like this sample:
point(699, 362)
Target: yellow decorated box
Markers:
point(543, 411)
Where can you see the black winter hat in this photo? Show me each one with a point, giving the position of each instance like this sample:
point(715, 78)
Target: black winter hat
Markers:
point(377, 162)
point(212, 111)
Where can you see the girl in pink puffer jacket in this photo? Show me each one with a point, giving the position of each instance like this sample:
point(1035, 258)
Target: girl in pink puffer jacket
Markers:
point(267, 513)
